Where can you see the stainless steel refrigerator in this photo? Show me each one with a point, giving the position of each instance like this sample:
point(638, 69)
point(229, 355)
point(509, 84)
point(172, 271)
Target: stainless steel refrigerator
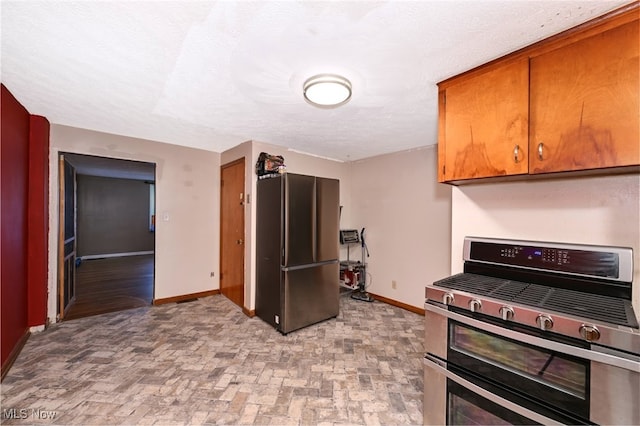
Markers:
point(297, 266)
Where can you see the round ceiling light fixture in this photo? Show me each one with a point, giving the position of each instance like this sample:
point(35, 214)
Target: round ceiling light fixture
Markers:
point(327, 90)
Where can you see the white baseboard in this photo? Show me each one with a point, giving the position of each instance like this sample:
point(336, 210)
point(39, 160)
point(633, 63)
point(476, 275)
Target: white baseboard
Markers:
point(102, 256)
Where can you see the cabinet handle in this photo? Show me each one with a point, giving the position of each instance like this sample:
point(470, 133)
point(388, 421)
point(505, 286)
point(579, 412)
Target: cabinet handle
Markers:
point(540, 146)
point(516, 152)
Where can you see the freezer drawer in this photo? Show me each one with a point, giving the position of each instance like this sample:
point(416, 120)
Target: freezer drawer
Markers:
point(310, 295)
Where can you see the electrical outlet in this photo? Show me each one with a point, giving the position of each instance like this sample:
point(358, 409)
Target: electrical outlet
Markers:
point(394, 285)
point(213, 274)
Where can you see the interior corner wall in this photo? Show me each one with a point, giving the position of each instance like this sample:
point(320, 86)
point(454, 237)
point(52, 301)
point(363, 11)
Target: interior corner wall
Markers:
point(187, 207)
point(601, 210)
point(38, 220)
point(407, 216)
point(14, 150)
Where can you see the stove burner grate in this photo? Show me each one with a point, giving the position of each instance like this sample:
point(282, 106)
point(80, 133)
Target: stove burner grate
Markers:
point(483, 285)
point(585, 305)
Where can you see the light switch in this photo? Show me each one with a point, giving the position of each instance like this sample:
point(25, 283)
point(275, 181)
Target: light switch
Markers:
point(165, 216)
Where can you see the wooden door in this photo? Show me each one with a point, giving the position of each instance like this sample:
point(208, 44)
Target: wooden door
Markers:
point(66, 237)
point(484, 130)
point(232, 233)
point(584, 103)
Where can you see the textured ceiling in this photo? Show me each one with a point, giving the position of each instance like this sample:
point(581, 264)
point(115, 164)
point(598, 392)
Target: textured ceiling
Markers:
point(214, 74)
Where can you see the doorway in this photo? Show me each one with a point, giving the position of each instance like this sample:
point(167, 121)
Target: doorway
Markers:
point(113, 228)
point(67, 236)
point(232, 232)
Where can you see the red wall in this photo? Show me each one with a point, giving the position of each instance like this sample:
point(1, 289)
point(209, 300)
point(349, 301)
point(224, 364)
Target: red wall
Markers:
point(24, 146)
point(38, 220)
point(14, 185)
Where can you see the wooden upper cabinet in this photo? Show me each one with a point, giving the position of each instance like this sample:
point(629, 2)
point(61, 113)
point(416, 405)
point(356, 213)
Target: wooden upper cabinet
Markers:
point(484, 124)
point(584, 103)
point(567, 103)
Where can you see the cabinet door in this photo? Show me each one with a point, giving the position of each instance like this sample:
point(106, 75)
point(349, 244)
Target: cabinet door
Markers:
point(485, 124)
point(584, 104)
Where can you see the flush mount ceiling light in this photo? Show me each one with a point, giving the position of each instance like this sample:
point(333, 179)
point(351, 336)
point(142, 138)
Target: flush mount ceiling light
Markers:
point(327, 90)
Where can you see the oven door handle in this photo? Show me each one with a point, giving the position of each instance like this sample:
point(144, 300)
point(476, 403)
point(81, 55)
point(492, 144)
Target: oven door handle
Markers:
point(592, 355)
point(441, 367)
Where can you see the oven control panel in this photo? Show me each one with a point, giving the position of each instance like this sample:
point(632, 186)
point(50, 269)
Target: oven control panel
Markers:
point(593, 261)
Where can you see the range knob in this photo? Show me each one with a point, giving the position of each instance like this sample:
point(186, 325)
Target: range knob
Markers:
point(545, 322)
point(448, 298)
point(589, 332)
point(475, 305)
point(506, 312)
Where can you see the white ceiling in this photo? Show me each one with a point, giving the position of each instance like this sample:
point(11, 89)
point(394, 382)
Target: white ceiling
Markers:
point(214, 74)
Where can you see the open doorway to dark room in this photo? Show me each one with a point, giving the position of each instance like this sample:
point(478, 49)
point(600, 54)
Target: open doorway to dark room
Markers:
point(107, 239)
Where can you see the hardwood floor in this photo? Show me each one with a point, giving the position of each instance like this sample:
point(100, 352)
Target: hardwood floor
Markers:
point(112, 284)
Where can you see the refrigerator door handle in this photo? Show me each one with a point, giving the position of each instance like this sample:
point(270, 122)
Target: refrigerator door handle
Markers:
point(309, 265)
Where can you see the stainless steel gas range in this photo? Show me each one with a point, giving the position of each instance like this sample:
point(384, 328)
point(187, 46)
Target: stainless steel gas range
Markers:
point(533, 333)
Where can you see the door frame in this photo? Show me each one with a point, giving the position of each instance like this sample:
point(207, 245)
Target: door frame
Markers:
point(66, 264)
point(241, 160)
point(56, 252)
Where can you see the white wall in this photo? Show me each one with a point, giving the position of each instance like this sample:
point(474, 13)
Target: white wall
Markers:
point(187, 189)
point(591, 210)
point(296, 163)
point(407, 216)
